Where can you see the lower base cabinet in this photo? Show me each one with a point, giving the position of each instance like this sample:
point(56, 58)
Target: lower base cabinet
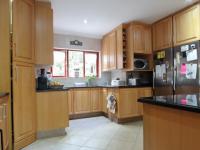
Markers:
point(90, 100)
point(52, 112)
point(24, 104)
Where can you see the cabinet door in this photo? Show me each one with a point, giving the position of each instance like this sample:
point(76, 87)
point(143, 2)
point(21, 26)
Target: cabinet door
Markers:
point(143, 92)
point(104, 100)
point(148, 40)
point(127, 103)
point(44, 33)
point(112, 50)
point(162, 34)
point(23, 30)
point(119, 33)
point(82, 103)
point(138, 38)
point(95, 100)
point(70, 102)
point(24, 101)
point(187, 25)
point(105, 54)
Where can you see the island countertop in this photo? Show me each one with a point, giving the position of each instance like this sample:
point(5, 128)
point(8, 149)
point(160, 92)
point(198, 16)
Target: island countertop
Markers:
point(187, 102)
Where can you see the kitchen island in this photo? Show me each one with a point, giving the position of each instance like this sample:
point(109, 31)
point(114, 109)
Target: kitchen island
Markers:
point(171, 122)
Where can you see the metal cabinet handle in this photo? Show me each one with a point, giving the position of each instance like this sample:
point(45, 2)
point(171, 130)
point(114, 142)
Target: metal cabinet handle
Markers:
point(175, 74)
point(153, 79)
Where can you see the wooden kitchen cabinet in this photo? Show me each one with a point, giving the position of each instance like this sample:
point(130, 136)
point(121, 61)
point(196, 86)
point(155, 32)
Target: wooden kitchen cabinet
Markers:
point(186, 25)
point(162, 34)
point(52, 111)
point(4, 122)
point(112, 50)
point(120, 48)
point(143, 92)
point(141, 38)
point(104, 94)
point(127, 103)
point(70, 102)
point(105, 54)
point(96, 104)
point(24, 104)
point(24, 30)
point(82, 101)
point(44, 33)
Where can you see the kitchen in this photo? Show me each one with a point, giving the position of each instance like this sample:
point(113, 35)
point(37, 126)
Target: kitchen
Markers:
point(71, 81)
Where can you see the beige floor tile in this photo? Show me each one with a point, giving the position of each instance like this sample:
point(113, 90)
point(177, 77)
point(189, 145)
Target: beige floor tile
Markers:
point(75, 140)
point(120, 145)
point(87, 148)
point(66, 147)
point(97, 143)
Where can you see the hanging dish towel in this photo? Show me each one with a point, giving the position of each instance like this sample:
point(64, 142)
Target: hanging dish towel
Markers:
point(111, 103)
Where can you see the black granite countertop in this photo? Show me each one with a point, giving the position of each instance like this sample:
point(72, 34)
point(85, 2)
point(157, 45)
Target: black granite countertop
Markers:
point(68, 88)
point(187, 102)
point(3, 94)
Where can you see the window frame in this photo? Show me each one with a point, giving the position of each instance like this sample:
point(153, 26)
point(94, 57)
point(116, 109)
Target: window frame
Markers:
point(66, 51)
point(65, 71)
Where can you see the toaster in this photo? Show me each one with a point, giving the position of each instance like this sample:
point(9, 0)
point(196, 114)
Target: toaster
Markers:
point(118, 83)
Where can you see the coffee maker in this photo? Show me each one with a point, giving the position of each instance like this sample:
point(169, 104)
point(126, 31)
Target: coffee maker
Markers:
point(42, 81)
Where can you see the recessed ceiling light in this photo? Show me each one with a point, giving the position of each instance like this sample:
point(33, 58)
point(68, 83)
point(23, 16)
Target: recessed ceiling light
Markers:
point(85, 21)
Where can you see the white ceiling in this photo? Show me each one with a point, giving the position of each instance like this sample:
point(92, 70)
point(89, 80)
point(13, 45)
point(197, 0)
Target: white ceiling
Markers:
point(104, 15)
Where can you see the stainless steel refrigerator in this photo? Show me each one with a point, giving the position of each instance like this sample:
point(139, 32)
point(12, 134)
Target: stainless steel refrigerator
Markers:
point(176, 70)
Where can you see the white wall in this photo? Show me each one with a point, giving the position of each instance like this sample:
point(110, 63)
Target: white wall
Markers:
point(63, 41)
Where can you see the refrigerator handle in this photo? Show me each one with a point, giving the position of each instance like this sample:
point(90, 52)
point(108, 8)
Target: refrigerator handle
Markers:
point(175, 74)
point(153, 78)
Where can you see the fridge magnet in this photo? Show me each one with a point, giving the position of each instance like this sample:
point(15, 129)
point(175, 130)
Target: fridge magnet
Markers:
point(178, 57)
point(183, 69)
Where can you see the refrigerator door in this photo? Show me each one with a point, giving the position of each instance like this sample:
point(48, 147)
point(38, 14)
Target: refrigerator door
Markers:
point(186, 70)
point(163, 72)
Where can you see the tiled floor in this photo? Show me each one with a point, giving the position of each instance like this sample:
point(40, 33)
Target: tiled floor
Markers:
point(97, 133)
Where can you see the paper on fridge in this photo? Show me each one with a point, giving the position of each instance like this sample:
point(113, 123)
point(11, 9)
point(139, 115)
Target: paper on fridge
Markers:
point(191, 71)
point(191, 55)
point(163, 71)
point(158, 71)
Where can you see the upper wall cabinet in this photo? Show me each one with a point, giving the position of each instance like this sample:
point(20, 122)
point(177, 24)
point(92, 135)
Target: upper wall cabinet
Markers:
point(162, 34)
point(105, 54)
point(109, 52)
point(24, 30)
point(141, 38)
point(44, 33)
point(112, 50)
point(187, 25)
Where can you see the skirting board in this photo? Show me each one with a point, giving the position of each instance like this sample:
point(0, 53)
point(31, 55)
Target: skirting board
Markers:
point(51, 133)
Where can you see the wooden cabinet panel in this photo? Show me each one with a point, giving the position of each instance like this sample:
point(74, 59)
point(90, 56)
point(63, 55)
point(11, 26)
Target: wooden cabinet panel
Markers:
point(24, 104)
point(105, 54)
point(82, 102)
point(142, 41)
point(104, 95)
point(52, 111)
point(148, 40)
point(127, 103)
point(70, 102)
point(162, 34)
point(112, 50)
point(96, 105)
point(143, 92)
point(138, 38)
point(44, 33)
point(119, 54)
point(129, 52)
point(24, 30)
point(187, 25)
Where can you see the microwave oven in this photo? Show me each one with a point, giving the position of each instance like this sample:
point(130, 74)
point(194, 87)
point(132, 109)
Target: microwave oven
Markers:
point(140, 64)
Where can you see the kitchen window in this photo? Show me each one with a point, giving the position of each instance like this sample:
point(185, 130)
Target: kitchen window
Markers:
point(74, 63)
